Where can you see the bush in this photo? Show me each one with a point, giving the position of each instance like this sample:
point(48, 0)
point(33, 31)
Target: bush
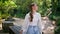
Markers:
point(57, 30)
point(58, 22)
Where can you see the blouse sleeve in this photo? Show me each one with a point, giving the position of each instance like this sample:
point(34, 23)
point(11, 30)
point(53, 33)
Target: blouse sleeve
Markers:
point(25, 24)
point(40, 24)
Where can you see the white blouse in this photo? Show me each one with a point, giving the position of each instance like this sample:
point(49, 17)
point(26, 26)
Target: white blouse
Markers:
point(36, 22)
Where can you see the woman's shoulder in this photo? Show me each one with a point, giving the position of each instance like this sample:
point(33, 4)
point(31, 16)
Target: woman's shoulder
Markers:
point(27, 14)
point(38, 13)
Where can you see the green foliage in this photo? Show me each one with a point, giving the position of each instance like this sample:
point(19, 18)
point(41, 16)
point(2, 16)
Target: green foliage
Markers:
point(5, 6)
point(22, 8)
point(57, 30)
point(57, 12)
point(58, 22)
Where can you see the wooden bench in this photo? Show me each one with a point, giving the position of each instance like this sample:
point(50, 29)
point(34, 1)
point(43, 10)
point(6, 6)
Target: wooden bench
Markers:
point(14, 29)
point(6, 24)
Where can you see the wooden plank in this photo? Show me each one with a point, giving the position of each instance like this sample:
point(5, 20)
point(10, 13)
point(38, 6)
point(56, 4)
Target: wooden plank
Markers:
point(15, 29)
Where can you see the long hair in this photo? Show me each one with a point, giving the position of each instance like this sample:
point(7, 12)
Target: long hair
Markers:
point(31, 13)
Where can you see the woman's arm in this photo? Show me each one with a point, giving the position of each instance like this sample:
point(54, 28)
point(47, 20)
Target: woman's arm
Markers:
point(40, 24)
point(25, 25)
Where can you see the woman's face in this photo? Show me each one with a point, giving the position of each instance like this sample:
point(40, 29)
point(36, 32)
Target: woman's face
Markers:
point(34, 8)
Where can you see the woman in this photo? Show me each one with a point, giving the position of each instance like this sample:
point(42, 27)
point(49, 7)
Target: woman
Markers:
point(32, 21)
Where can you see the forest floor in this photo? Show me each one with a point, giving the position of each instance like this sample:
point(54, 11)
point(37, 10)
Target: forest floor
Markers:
point(47, 25)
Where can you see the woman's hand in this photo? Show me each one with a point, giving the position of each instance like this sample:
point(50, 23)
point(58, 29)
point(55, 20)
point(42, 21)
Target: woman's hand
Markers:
point(21, 31)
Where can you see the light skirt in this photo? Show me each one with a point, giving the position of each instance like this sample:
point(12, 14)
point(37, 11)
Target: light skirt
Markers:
point(33, 30)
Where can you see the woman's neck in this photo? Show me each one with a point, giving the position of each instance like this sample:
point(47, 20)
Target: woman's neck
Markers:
point(34, 11)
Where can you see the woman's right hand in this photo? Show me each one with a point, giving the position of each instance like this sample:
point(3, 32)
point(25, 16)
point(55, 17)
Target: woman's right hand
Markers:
point(21, 31)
